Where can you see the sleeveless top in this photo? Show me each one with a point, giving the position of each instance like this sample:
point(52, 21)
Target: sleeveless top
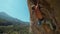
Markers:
point(38, 13)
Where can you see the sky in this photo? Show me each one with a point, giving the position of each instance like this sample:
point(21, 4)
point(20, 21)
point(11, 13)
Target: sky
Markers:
point(15, 8)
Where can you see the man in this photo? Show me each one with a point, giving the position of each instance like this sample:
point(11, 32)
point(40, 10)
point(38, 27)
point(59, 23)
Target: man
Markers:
point(38, 14)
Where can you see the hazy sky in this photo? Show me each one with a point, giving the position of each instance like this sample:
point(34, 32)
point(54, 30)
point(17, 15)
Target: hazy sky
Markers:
point(15, 8)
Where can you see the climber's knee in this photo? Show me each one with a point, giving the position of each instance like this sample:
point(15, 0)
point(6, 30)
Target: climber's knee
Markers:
point(40, 21)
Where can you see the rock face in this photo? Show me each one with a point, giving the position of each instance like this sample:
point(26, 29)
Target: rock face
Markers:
point(50, 10)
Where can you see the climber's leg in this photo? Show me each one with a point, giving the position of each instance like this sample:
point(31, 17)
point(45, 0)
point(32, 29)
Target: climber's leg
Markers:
point(40, 21)
point(52, 25)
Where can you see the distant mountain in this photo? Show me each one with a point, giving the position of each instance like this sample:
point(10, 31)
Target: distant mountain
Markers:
point(5, 20)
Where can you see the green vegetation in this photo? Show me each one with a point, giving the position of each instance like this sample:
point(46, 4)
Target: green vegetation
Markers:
point(14, 29)
point(10, 25)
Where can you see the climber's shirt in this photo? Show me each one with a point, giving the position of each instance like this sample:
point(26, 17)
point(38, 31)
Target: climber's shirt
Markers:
point(38, 13)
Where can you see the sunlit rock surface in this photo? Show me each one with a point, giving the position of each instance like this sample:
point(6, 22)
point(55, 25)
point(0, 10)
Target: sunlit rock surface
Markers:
point(54, 7)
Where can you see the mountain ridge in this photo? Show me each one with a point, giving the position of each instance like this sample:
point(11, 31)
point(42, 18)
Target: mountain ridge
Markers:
point(11, 20)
